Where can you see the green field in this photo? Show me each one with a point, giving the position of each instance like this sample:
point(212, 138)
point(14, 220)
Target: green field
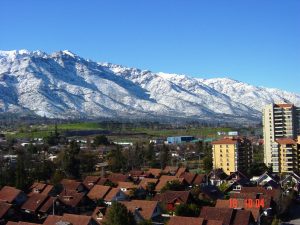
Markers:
point(141, 132)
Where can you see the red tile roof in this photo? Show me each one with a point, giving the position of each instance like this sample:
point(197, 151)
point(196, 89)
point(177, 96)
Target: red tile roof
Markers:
point(170, 169)
point(144, 182)
point(70, 184)
point(90, 181)
point(111, 194)
point(164, 179)
point(98, 214)
point(182, 220)
point(71, 218)
point(180, 171)
point(155, 172)
point(225, 141)
point(145, 208)
point(4, 207)
point(212, 213)
point(172, 196)
point(71, 197)
point(286, 141)
point(116, 177)
point(284, 105)
point(243, 217)
point(21, 223)
point(98, 192)
point(47, 205)
point(34, 202)
point(188, 177)
point(9, 194)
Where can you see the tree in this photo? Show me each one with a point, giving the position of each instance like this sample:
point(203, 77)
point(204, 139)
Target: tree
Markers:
point(173, 186)
point(257, 169)
point(101, 140)
point(118, 214)
point(70, 160)
point(116, 160)
point(223, 187)
point(187, 210)
point(164, 156)
point(21, 176)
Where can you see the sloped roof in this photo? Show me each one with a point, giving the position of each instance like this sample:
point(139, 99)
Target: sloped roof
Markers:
point(34, 202)
point(98, 192)
point(70, 184)
point(212, 213)
point(171, 196)
point(9, 194)
point(164, 179)
point(182, 220)
point(145, 208)
point(144, 182)
point(155, 172)
point(4, 207)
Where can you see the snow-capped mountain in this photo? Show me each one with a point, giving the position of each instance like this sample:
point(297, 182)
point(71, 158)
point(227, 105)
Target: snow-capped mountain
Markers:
point(64, 85)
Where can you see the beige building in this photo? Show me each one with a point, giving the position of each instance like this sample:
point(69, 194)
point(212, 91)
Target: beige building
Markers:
point(279, 121)
point(288, 150)
point(232, 154)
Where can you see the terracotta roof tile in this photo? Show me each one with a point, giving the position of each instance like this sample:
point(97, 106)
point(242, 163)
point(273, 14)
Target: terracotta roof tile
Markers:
point(242, 217)
point(222, 214)
point(4, 207)
point(98, 192)
point(9, 194)
point(98, 214)
point(170, 169)
point(145, 208)
point(34, 202)
point(155, 172)
point(163, 180)
point(188, 177)
point(286, 141)
point(225, 141)
point(71, 218)
point(47, 205)
point(180, 171)
point(116, 177)
point(90, 181)
point(144, 182)
point(71, 197)
point(172, 196)
point(182, 220)
point(70, 184)
point(111, 194)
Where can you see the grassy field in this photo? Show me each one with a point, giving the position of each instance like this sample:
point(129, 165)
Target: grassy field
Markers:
point(44, 130)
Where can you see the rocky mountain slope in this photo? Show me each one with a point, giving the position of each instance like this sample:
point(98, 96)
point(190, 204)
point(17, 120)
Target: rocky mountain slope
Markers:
point(64, 85)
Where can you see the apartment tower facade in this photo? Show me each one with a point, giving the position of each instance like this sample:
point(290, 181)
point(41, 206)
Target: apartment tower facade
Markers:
point(280, 121)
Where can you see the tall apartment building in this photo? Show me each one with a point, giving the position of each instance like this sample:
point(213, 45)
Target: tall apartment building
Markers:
point(232, 154)
point(279, 121)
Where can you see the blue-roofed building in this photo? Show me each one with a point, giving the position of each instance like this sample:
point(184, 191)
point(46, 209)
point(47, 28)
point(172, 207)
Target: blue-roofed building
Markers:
point(180, 139)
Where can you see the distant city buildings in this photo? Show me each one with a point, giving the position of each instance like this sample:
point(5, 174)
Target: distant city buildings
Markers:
point(232, 154)
point(280, 126)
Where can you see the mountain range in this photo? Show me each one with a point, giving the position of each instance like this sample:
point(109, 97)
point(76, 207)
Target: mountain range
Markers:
point(65, 85)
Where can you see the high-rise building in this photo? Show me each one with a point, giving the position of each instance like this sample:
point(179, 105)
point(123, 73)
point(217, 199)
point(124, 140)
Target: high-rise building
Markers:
point(232, 154)
point(279, 121)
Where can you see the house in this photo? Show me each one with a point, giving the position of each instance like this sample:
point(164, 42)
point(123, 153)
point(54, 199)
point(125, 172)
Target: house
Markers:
point(12, 195)
point(236, 181)
point(117, 177)
point(227, 216)
point(98, 192)
point(73, 185)
point(143, 209)
point(69, 219)
point(180, 171)
point(72, 201)
point(182, 220)
point(240, 204)
point(99, 215)
point(6, 212)
point(90, 181)
point(115, 194)
point(217, 177)
point(41, 188)
point(291, 180)
point(48, 208)
point(146, 181)
point(164, 179)
point(267, 180)
point(137, 174)
point(153, 172)
point(171, 199)
point(21, 223)
point(34, 202)
point(126, 187)
point(200, 179)
point(170, 170)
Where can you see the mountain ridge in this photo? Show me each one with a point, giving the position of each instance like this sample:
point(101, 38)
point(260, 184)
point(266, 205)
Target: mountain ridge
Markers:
point(65, 85)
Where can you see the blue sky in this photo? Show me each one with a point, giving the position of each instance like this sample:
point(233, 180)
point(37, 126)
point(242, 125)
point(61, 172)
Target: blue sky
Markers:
point(254, 41)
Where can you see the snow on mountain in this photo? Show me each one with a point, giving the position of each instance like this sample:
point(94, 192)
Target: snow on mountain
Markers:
point(64, 85)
